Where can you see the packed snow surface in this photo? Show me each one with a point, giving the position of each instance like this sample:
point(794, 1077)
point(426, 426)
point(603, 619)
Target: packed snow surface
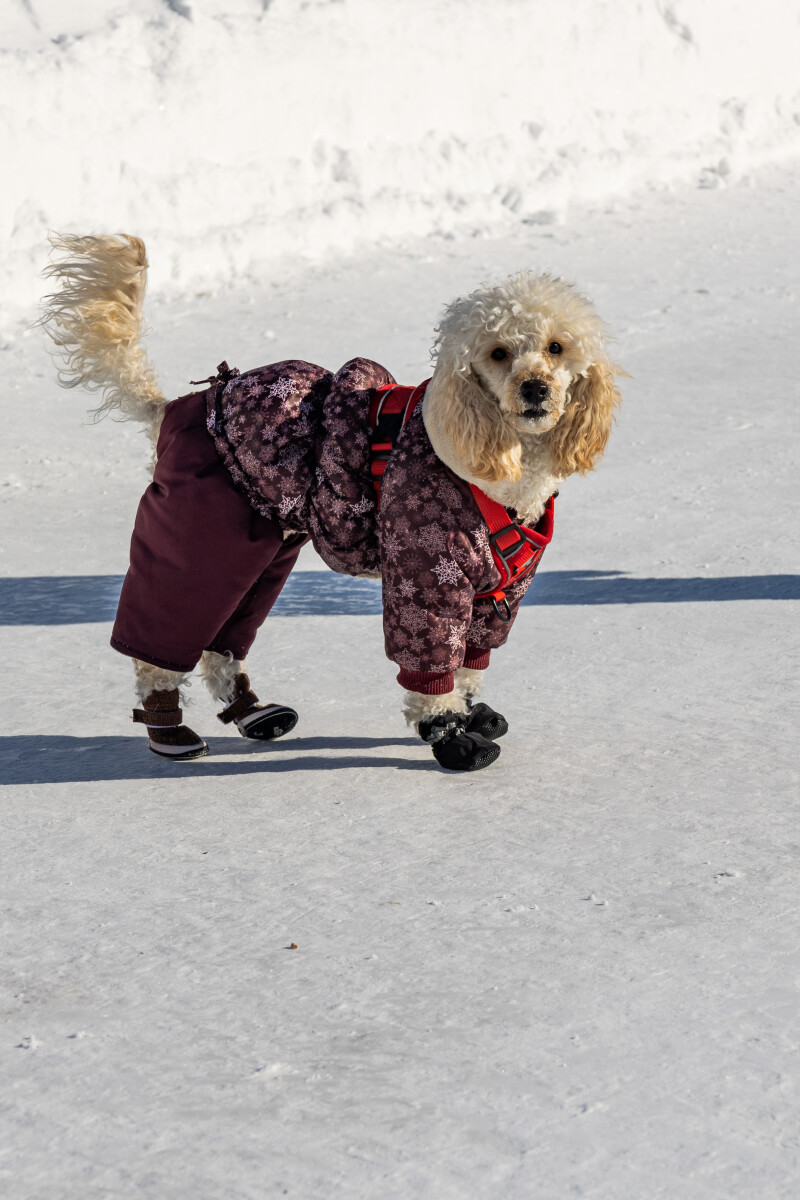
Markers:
point(572, 974)
point(236, 136)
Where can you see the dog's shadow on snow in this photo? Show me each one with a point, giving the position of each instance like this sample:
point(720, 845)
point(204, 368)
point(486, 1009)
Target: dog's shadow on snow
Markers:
point(82, 599)
point(55, 758)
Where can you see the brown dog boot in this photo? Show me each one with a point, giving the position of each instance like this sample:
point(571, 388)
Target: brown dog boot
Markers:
point(162, 715)
point(263, 722)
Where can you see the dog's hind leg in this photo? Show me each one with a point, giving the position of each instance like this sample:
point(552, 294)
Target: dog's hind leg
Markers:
point(223, 662)
point(227, 680)
point(159, 692)
point(219, 673)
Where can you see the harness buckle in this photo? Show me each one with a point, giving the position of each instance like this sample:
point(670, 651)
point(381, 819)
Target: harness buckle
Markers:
point(509, 550)
point(506, 556)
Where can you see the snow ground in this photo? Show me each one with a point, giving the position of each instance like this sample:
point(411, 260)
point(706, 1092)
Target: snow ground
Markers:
point(574, 973)
point(231, 134)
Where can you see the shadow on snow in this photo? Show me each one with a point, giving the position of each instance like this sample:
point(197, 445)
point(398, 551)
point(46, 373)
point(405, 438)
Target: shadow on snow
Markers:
point(82, 599)
point(35, 758)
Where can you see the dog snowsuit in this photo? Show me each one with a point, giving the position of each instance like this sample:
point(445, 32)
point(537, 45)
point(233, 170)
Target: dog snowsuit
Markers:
point(251, 468)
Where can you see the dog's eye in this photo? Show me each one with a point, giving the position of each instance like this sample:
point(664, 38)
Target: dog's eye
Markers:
point(499, 354)
point(554, 348)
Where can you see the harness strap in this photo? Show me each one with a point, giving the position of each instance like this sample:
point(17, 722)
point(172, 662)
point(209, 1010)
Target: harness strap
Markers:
point(391, 407)
point(516, 549)
point(237, 707)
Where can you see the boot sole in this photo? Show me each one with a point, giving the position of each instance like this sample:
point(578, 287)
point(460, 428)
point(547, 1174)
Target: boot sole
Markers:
point(198, 752)
point(275, 723)
point(485, 759)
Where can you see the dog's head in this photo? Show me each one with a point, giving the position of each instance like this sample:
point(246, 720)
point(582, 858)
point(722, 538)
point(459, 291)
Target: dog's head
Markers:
point(519, 362)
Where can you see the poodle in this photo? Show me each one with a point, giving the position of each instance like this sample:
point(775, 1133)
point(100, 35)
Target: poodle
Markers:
point(445, 490)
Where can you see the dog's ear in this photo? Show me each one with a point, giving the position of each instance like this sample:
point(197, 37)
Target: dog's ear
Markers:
point(481, 437)
point(580, 437)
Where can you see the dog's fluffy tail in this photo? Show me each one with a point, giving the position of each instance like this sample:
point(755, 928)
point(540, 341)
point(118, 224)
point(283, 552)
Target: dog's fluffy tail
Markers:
point(95, 319)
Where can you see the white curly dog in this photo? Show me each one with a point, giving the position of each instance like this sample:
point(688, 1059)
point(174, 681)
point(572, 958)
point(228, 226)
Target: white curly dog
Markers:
point(523, 395)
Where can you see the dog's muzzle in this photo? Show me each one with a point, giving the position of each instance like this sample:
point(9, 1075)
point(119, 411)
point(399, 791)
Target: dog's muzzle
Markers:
point(533, 393)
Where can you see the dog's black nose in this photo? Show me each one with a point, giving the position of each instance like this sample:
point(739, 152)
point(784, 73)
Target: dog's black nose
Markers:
point(534, 391)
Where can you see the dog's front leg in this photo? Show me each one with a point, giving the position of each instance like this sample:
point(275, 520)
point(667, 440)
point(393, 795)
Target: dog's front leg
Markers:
point(469, 683)
point(442, 721)
point(482, 719)
point(418, 708)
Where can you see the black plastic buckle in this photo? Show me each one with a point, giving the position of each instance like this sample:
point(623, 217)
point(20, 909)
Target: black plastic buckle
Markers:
point(511, 550)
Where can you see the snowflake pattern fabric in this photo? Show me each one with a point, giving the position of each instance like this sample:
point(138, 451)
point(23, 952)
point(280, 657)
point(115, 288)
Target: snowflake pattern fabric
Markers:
point(441, 563)
point(295, 439)
point(284, 388)
point(432, 537)
point(447, 571)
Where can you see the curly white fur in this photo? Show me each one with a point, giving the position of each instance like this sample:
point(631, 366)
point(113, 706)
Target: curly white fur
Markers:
point(95, 320)
point(417, 707)
point(148, 678)
point(522, 306)
point(468, 682)
point(219, 673)
point(492, 347)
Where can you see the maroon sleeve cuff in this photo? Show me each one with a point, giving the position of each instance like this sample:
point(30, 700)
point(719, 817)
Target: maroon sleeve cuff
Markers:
point(430, 683)
point(476, 659)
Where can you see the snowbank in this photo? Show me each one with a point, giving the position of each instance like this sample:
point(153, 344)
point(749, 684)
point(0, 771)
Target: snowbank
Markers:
point(234, 134)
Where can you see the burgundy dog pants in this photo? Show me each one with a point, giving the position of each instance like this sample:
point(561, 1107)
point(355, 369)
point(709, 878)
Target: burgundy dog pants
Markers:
point(206, 568)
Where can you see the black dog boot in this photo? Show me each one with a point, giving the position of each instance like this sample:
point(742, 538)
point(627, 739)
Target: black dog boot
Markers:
point(484, 720)
point(262, 722)
point(454, 746)
point(168, 737)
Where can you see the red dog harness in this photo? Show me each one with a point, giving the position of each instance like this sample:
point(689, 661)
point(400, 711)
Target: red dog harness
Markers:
point(516, 549)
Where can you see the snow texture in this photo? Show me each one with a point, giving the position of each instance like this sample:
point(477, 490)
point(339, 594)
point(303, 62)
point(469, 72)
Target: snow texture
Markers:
point(572, 974)
point(237, 137)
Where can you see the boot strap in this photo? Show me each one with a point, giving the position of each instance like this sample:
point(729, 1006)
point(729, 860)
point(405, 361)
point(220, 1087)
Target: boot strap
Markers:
point(239, 707)
point(158, 720)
